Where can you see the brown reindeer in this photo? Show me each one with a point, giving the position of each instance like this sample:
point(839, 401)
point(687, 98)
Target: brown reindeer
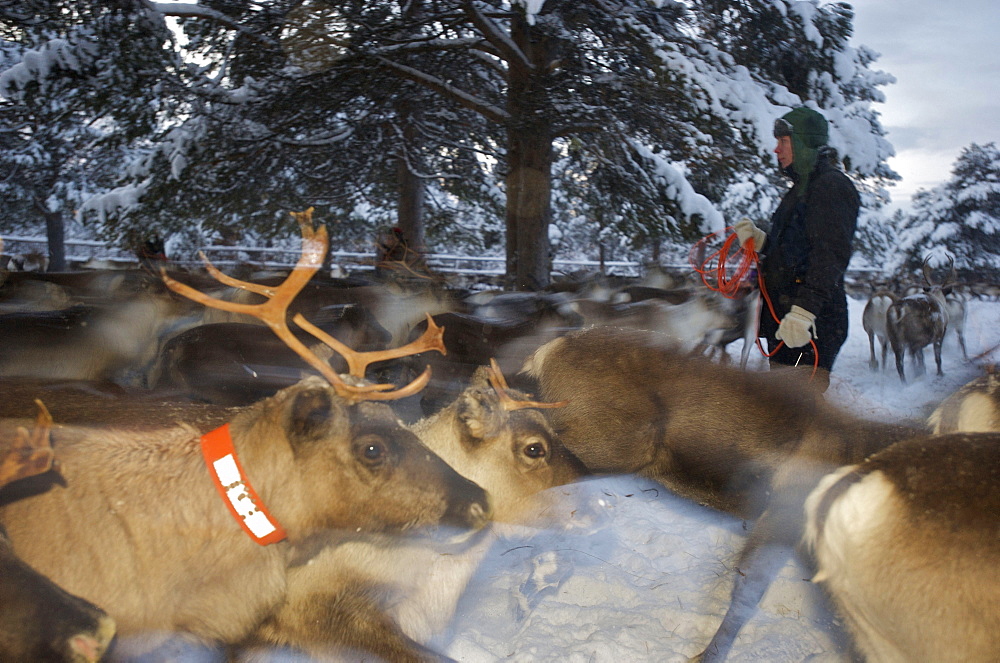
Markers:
point(388, 597)
point(472, 340)
point(39, 621)
point(98, 404)
point(907, 543)
point(115, 339)
point(174, 532)
point(753, 444)
point(917, 320)
point(233, 363)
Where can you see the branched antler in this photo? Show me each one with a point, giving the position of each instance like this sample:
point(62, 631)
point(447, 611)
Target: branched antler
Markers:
point(274, 313)
point(499, 383)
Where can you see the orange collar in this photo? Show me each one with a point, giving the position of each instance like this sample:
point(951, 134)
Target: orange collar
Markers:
point(235, 489)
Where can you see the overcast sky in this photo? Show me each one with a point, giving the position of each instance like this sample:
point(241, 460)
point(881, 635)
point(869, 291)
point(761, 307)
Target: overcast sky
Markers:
point(946, 61)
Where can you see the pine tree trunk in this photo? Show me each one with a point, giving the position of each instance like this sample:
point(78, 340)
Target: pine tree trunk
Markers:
point(529, 164)
point(410, 213)
point(529, 188)
point(55, 233)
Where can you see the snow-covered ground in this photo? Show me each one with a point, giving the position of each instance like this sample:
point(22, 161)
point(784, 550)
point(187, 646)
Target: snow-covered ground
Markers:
point(637, 574)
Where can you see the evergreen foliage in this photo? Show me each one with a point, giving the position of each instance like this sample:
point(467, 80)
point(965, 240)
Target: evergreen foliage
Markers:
point(960, 218)
point(619, 126)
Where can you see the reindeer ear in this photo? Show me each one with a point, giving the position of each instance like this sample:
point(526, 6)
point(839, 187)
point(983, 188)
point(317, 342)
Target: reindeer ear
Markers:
point(478, 410)
point(481, 378)
point(311, 415)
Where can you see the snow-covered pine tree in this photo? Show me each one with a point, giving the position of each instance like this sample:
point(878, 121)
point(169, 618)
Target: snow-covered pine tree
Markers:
point(661, 111)
point(73, 95)
point(960, 218)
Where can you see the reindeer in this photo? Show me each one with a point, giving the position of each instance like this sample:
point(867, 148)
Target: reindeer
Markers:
point(396, 305)
point(39, 621)
point(907, 543)
point(472, 340)
point(753, 444)
point(172, 531)
point(973, 408)
point(918, 320)
point(739, 314)
point(875, 324)
point(364, 594)
point(232, 363)
point(101, 404)
point(694, 325)
point(954, 303)
point(112, 340)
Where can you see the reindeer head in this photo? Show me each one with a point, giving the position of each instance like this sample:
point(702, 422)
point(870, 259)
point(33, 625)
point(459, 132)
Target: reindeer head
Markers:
point(944, 286)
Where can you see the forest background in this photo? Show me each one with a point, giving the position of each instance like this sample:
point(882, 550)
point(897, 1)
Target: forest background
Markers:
point(593, 129)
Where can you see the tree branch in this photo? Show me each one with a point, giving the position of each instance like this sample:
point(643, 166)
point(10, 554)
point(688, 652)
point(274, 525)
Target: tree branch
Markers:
point(489, 111)
point(191, 10)
point(508, 50)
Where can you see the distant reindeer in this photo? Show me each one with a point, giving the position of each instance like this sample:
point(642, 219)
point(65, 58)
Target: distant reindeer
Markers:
point(875, 325)
point(955, 306)
point(918, 320)
point(907, 544)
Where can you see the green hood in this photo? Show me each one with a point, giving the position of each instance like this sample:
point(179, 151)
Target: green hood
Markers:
point(810, 132)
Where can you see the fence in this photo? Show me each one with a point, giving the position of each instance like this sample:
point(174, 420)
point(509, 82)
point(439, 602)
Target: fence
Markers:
point(79, 252)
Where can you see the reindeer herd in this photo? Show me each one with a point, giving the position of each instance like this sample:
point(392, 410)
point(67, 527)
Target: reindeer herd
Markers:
point(231, 464)
point(921, 316)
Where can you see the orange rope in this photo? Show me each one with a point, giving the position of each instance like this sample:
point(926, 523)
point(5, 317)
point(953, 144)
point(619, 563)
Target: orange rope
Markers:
point(728, 285)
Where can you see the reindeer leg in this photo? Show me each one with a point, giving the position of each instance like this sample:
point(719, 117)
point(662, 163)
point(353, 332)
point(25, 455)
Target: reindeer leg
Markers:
point(899, 363)
point(750, 325)
point(773, 538)
point(937, 355)
point(760, 561)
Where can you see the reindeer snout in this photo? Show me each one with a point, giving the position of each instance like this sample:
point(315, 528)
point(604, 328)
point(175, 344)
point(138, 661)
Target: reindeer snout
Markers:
point(479, 514)
point(473, 511)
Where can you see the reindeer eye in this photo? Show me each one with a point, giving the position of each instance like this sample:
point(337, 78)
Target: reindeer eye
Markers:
point(536, 450)
point(372, 451)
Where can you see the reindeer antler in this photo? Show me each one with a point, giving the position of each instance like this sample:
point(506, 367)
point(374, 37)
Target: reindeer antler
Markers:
point(32, 452)
point(274, 313)
point(499, 383)
point(357, 362)
point(928, 275)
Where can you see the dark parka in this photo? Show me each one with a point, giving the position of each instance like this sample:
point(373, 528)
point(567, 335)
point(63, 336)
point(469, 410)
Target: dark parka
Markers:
point(805, 257)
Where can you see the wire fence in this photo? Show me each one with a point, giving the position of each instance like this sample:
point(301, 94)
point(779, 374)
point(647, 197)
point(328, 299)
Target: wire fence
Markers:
point(88, 253)
point(81, 253)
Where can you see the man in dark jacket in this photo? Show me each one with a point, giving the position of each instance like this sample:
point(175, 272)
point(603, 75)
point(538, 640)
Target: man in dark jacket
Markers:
point(806, 252)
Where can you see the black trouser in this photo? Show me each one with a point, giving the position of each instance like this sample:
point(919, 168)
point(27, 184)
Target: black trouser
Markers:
point(831, 332)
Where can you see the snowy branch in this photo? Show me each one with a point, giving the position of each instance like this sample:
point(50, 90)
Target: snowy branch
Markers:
point(495, 35)
point(190, 10)
point(467, 100)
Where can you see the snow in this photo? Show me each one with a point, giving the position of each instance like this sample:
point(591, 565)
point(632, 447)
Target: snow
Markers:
point(38, 64)
point(630, 572)
point(627, 571)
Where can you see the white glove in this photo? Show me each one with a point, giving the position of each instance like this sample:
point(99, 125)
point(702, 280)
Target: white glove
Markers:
point(745, 229)
point(797, 327)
